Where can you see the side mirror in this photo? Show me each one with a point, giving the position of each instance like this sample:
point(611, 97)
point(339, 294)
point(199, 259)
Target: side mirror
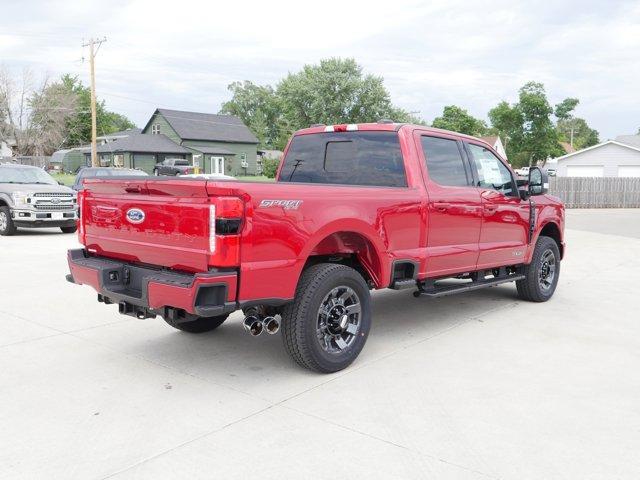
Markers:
point(538, 181)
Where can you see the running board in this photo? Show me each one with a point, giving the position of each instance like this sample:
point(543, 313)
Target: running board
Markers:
point(444, 290)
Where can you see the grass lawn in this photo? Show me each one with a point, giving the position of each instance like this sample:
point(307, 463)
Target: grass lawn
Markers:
point(66, 178)
point(254, 178)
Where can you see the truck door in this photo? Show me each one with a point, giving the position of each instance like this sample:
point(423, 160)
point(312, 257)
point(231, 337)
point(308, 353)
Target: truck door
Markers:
point(505, 217)
point(454, 206)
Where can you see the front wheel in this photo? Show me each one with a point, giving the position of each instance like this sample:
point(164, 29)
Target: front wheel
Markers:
point(326, 326)
point(6, 223)
point(198, 324)
point(541, 275)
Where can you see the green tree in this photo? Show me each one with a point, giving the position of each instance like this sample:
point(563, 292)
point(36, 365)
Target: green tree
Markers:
point(527, 127)
point(270, 167)
point(565, 108)
point(257, 107)
point(458, 120)
point(334, 91)
point(79, 125)
point(578, 130)
point(572, 129)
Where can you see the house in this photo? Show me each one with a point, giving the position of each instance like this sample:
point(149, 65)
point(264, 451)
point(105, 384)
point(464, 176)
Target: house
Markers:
point(218, 143)
point(214, 143)
point(496, 143)
point(70, 159)
point(139, 151)
point(613, 158)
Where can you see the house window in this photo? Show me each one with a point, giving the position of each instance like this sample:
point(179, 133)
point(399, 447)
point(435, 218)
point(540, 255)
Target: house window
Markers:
point(155, 128)
point(118, 160)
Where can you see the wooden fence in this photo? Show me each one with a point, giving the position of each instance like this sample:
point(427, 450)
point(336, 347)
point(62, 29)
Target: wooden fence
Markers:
point(582, 192)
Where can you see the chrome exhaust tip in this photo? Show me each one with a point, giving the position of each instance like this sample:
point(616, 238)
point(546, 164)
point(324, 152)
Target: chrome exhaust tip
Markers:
point(253, 325)
point(271, 325)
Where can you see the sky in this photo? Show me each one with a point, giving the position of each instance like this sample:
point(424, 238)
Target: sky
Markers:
point(183, 54)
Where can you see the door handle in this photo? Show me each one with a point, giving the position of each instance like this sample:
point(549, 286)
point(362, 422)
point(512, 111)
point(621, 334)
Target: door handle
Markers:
point(441, 206)
point(132, 189)
point(490, 208)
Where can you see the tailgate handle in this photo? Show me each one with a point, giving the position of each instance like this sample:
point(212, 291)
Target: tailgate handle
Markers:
point(132, 189)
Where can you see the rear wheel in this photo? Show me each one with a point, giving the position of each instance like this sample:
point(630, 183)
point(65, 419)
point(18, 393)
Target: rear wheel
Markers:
point(69, 229)
point(542, 273)
point(326, 326)
point(6, 223)
point(198, 324)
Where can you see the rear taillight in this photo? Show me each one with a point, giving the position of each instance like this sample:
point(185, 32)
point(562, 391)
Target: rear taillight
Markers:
point(225, 222)
point(80, 203)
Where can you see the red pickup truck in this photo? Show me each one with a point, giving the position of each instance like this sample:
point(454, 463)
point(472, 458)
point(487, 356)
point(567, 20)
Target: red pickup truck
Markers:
point(354, 208)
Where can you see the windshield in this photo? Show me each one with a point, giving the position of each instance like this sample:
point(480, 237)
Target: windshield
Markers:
point(26, 176)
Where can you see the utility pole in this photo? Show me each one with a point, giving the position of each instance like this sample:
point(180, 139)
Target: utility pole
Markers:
point(93, 51)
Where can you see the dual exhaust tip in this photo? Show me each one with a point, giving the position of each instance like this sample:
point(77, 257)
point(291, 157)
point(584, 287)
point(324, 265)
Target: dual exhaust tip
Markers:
point(255, 326)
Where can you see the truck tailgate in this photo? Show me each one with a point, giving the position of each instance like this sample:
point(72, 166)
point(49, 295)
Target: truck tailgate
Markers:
point(152, 221)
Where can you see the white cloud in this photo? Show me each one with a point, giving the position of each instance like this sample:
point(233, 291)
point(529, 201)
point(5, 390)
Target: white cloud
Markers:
point(184, 54)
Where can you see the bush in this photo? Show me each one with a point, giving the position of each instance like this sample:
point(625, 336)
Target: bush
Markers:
point(270, 167)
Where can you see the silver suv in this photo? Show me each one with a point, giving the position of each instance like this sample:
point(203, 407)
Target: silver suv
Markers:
point(31, 198)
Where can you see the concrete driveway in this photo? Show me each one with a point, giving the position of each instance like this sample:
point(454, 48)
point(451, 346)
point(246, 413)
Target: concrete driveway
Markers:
point(465, 387)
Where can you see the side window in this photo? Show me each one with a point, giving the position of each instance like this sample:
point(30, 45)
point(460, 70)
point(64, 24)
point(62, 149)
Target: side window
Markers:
point(445, 164)
point(492, 173)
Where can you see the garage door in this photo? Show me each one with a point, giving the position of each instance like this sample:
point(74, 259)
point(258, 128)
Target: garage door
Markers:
point(629, 171)
point(585, 171)
point(144, 162)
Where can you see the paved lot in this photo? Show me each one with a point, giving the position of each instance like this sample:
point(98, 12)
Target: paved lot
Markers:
point(464, 387)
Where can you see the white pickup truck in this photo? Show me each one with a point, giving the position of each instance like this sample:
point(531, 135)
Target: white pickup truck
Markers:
point(31, 198)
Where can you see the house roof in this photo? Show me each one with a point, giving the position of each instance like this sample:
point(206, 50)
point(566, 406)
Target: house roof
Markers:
point(122, 133)
point(632, 140)
point(212, 150)
point(566, 146)
point(608, 142)
point(206, 126)
point(491, 140)
point(142, 144)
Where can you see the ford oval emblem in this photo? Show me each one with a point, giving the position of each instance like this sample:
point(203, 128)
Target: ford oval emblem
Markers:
point(135, 215)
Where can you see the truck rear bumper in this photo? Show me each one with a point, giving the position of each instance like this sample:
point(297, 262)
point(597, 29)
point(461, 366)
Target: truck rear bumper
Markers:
point(144, 290)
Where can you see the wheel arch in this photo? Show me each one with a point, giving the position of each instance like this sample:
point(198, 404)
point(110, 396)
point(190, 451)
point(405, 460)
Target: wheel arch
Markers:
point(356, 248)
point(552, 230)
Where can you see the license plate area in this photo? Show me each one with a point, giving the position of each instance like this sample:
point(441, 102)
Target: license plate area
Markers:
point(57, 215)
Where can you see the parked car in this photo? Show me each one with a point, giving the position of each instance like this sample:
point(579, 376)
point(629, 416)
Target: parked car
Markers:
point(31, 198)
point(523, 171)
point(173, 167)
point(354, 208)
point(101, 172)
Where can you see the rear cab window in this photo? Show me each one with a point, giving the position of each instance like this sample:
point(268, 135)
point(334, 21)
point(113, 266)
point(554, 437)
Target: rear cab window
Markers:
point(368, 158)
point(445, 164)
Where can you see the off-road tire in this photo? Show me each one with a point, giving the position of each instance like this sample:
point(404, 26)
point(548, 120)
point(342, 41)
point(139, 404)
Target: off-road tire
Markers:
point(199, 325)
point(9, 227)
point(529, 288)
point(73, 229)
point(299, 318)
